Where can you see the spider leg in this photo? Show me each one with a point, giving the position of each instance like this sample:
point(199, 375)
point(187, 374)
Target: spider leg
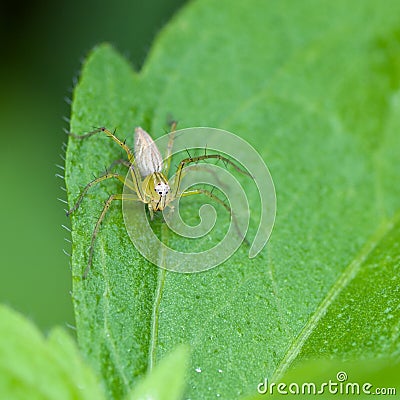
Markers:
point(169, 147)
point(91, 184)
point(190, 160)
point(151, 212)
point(119, 162)
point(110, 135)
point(99, 222)
point(218, 200)
point(209, 194)
point(136, 178)
point(203, 168)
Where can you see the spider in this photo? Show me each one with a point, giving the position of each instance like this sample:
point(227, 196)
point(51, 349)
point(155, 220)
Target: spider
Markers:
point(148, 177)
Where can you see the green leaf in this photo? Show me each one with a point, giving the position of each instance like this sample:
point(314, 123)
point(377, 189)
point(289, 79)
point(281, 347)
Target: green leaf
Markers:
point(167, 380)
point(314, 86)
point(34, 368)
point(359, 317)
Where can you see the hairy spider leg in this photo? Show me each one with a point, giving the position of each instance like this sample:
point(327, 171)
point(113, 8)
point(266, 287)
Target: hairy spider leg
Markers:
point(133, 185)
point(180, 172)
point(189, 160)
point(119, 162)
point(135, 174)
point(207, 193)
point(218, 200)
point(91, 184)
point(100, 220)
point(168, 155)
point(104, 211)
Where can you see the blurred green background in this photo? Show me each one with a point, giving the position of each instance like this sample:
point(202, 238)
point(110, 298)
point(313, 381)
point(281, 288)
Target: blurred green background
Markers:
point(42, 46)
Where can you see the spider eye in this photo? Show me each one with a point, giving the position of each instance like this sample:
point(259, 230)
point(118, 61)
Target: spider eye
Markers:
point(161, 189)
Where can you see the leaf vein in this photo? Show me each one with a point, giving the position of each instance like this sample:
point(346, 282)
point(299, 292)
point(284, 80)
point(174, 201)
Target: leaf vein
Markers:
point(107, 331)
point(347, 276)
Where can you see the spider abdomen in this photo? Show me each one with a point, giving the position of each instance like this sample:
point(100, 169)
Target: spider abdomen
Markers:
point(147, 156)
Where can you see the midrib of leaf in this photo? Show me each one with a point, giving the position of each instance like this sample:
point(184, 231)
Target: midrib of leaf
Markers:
point(155, 317)
point(107, 331)
point(345, 278)
point(161, 277)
